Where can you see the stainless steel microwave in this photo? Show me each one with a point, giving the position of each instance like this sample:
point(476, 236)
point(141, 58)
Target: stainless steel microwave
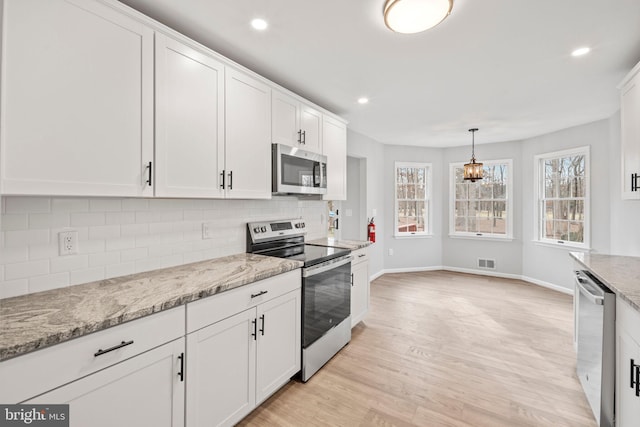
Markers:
point(296, 171)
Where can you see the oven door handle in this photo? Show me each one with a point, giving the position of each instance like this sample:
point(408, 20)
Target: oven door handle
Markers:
point(594, 299)
point(312, 271)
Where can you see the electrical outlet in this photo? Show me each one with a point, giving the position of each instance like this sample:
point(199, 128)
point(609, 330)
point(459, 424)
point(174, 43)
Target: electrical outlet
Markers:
point(207, 232)
point(68, 242)
point(390, 252)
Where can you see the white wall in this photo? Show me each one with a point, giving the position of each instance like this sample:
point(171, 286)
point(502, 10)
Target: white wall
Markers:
point(363, 147)
point(125, 236)
point(411, 252)
point(552, 264)
point(353, 210)
point(462, 253)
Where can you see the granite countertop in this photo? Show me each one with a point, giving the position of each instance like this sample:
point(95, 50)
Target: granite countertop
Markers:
point(620, 273)
point(345, 244)
point(33, 321)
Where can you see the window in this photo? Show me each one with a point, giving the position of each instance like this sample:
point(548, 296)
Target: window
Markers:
point(562, 197)
point(482, 208)
point(413, 182)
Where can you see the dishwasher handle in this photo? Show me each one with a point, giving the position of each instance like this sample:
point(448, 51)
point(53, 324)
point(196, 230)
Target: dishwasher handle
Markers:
point(593, 298)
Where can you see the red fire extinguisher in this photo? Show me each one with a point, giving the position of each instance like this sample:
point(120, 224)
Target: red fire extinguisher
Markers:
point(371, 231)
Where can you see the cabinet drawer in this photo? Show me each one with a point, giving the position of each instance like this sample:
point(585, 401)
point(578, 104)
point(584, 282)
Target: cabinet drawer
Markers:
point(628, 319)
point(40, 371)
point(358, 256)
point(217, 307)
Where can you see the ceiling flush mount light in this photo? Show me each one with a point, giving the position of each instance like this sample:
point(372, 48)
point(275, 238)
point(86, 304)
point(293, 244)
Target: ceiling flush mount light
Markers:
point(259, 24)
point(414, 16)
point(581, 51)
point(363, 100)
point(473, 170)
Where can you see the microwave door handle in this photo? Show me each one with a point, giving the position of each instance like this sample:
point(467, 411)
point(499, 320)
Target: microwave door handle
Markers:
point(315, 166)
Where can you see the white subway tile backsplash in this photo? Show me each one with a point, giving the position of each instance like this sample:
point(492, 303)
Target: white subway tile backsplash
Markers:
point(116, 270)
point(22, 238)
point(120, 218)
point(117, 237)
point(48, 282)
point(16, 254)
point(120, 243)
point(70, 205)
point(134, 254)
point(87, 219)
point(69, 263)
point(105, 205)
point(15, 222)
point(27, 205)
point(23, 270)
point(104, 232)
point(49, 220)
point(13, 288)
point(84, 276)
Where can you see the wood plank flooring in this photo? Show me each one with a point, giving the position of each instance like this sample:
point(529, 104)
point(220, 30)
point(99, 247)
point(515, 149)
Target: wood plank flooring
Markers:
point(445, 349)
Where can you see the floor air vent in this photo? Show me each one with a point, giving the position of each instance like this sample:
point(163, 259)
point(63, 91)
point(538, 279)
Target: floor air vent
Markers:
point(489, 264)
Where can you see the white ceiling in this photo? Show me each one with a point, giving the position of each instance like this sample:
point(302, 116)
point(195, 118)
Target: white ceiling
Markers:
point(503, 66)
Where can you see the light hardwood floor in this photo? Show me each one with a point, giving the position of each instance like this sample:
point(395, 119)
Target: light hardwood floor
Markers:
point(445, 349)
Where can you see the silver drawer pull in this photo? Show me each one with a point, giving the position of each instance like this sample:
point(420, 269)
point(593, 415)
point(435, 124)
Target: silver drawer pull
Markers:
point(258, 294)
point(100, 352)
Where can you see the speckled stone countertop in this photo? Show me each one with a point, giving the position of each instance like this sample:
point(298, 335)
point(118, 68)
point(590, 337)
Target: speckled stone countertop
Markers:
point(33, 321)
point(345, 244)
point(620, 273)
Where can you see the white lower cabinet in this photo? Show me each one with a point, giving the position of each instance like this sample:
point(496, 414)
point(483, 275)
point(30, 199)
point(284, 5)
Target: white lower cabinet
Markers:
point(359, 286)
point(144, 391)
point(249, 350)
point(627, 365)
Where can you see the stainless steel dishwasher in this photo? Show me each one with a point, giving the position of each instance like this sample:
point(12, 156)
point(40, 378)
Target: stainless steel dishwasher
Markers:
point(596, 345)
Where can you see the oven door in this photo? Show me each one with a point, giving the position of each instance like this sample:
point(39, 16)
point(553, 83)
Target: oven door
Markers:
point(326, 298)
point(298, 171)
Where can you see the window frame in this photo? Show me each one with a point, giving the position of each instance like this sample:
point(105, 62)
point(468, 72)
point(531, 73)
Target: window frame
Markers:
point(427, 199)
point(538, 182)
point(508, 236)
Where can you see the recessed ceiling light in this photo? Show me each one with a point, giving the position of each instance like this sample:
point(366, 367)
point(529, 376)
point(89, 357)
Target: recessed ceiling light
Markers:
point(581, 51)
point(259, 24)
point(363, 100)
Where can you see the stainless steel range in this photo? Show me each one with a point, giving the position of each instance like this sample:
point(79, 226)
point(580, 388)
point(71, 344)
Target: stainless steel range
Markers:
point(326, 287)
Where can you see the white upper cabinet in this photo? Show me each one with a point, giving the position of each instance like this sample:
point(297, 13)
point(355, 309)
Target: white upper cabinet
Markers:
point(295, 124)
point(334, 134)
point(630, 134)
point(248, 132)
point(77, 99)
point(189, 121)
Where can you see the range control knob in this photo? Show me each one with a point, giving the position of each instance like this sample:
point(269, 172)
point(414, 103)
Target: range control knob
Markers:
point(297, 225)
point(256, 229)
point(263, 229)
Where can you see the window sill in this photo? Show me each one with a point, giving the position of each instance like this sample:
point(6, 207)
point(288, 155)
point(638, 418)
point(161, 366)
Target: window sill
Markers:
point(567, 246)
point(483, 237)
point(413, 236)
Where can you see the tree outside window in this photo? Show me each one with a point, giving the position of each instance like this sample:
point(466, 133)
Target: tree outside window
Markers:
point(412, 186)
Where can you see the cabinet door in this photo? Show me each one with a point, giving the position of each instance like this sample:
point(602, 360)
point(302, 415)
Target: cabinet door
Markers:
point(285, 120)
point(221, 363)
point(189, 121)
point(359, 292)
point(311, 124)
point(627, 403)
point(77, 100)
point(248, 137)
point(144, 391)
point(279, 347)
point(630, 136)
point(335, 148)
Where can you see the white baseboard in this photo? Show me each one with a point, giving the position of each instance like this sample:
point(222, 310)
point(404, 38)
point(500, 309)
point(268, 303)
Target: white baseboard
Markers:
point(531, 280)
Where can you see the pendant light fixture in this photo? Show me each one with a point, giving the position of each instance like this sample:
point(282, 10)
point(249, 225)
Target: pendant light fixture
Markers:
point(414, 16)
point(473, 170)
